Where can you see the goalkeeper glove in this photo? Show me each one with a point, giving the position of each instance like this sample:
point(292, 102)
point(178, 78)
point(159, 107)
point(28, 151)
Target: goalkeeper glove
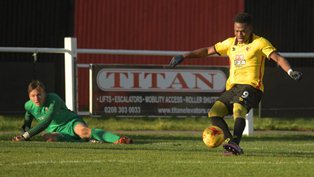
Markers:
point(175, 61)
point(24, 137)
point(295, 75)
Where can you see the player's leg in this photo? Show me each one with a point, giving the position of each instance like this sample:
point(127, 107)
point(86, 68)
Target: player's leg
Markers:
point(52, 137)
point(64, 133)
point(105, 136)
point(232, 146)
point(60, 137)
point(239, 114)
point(84, 132)
point(77, 130)
point(246, 97)
point(216, 114)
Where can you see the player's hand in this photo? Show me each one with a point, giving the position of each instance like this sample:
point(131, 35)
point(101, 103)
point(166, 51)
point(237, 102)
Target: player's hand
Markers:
point(18, 138)
point(175, 61)
point(295, 75)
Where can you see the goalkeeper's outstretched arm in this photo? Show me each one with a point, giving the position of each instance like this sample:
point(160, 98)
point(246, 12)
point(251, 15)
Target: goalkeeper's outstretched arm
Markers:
point(28, 119)
point(38, 128)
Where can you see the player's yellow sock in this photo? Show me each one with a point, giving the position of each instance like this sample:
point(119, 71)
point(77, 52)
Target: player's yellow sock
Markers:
point(101, 135)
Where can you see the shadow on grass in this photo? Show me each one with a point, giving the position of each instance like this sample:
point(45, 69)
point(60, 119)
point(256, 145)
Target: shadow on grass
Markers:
point(149, 138)
point(280, 138)
point(164, 141)
point(154, 137)
point(307, 155)
point(182, 142)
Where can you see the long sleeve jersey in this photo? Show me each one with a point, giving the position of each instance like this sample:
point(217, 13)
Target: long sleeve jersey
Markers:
point(51, 115)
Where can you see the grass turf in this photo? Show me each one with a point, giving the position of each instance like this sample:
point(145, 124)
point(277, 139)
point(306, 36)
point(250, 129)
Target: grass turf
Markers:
point(161, 153)
point(13, 123)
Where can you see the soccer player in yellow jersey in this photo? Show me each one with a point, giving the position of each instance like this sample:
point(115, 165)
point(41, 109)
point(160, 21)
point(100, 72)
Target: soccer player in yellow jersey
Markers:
point(247, 53)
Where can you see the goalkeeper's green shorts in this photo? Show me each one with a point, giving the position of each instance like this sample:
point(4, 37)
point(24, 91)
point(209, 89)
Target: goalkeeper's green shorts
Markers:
point(66, 132)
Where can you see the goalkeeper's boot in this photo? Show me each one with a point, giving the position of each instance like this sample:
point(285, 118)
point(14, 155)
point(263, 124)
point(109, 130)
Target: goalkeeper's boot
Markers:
point(124, 140)
point(232, 149)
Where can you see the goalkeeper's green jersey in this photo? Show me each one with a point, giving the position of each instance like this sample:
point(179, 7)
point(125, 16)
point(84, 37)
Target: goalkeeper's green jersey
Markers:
point(50, 116)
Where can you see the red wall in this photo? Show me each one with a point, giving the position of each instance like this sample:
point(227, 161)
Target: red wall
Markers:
point(176, 25)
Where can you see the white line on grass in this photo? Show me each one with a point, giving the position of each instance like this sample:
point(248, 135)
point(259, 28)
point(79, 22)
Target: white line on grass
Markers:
point(137, 161)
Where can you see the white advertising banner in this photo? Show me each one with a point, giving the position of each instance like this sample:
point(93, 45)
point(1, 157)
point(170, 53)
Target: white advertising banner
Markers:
point(123, 90)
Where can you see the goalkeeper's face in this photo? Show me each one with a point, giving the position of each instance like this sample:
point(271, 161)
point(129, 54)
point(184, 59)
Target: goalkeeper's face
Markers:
point(37, 96)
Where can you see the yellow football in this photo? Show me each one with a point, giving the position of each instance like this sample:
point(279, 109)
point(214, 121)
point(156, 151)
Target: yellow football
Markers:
point(213, 136)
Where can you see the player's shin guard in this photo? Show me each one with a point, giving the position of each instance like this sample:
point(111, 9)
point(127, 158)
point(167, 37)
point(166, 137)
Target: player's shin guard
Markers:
point(221, 123)
point(103, 136)
point(239, 126)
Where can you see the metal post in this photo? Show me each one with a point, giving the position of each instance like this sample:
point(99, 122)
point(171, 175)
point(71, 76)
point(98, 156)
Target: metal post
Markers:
point(70, 72)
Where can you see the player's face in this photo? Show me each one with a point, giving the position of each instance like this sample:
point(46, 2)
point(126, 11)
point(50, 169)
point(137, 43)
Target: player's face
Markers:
point(242, 32)
point(37, 96)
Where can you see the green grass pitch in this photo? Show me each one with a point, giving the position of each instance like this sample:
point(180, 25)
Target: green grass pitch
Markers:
point(161, 153)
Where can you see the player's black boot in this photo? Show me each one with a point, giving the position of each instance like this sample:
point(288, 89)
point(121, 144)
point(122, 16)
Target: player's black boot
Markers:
point(232, 149)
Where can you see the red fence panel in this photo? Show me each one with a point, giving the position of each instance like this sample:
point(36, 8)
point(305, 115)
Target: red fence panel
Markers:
point(177, 25)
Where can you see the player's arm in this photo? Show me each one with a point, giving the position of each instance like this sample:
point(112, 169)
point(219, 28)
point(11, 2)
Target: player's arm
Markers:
point(28, 119)
point(202, 52)
point(284, 64)
point(39, 127)
point(198, 53)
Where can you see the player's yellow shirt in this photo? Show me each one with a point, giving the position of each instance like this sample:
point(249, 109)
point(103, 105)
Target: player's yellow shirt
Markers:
point(247, 61)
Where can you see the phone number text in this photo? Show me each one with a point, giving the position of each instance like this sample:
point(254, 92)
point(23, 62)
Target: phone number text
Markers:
point(122, 110)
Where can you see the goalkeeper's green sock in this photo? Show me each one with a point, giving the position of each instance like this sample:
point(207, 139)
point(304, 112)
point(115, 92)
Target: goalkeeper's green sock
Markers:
point(101, 135)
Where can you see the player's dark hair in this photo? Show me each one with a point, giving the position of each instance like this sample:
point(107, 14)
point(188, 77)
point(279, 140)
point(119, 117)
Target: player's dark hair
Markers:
point(35, 84)
point(243, 18)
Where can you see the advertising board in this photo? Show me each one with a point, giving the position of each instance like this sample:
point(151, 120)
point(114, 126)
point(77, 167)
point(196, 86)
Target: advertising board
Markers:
point(144, 90)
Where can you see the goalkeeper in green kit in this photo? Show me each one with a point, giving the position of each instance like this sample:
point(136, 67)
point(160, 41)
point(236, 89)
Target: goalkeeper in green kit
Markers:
point(58, 122)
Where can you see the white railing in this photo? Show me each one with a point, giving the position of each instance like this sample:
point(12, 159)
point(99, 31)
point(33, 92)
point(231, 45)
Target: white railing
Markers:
point(70, 52)
point(33, 50)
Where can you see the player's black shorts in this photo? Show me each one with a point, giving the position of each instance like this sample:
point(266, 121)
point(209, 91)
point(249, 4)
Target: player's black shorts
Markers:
point(245, 95)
